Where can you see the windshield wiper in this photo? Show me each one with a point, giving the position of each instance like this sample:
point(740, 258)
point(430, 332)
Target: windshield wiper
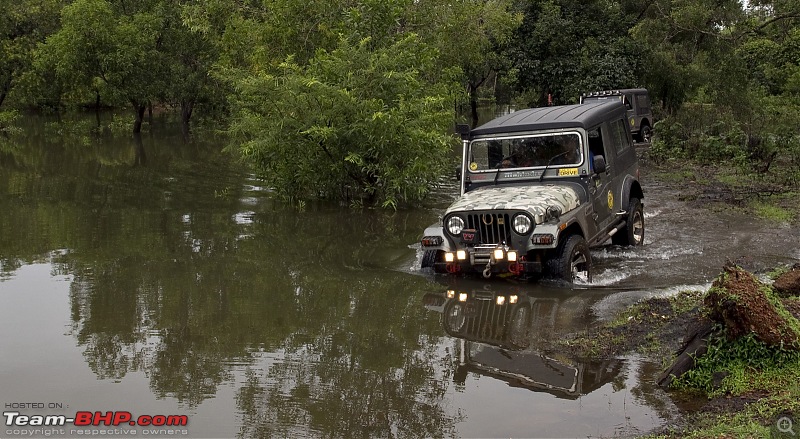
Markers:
point(498, 173)
point(550, 162)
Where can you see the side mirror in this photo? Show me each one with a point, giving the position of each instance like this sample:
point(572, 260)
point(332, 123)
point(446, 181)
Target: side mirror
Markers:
point(458, 173)
point(599, 164)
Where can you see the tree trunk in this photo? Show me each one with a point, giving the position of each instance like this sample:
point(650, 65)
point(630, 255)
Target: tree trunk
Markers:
point(187, 106)
point(2, 97)
point(139, 110)
point(473, 104)
point(744, 305)
point(695, 346)
point(140, 158)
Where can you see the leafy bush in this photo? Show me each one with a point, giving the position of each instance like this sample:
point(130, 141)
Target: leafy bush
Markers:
point(358, 123)
point(8, 120)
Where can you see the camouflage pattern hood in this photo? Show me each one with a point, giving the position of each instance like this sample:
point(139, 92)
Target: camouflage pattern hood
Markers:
point(532, 199)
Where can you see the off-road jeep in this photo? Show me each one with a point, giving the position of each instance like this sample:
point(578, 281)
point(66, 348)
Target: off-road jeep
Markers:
point(539, 187)
point(640, 115)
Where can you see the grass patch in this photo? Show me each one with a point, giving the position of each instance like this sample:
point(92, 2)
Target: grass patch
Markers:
point(654, 327)
point(771, 211)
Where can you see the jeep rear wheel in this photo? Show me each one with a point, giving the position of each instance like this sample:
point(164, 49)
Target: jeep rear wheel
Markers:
point(633, 232)
point(573, 260)
point(645, 134)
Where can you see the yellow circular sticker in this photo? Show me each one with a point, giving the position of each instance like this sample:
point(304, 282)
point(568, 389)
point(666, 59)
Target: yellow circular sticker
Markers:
point(473, 166)
point(633, 122)
point(610, 200)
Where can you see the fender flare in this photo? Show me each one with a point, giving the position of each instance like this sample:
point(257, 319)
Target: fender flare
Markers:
point(630, 188)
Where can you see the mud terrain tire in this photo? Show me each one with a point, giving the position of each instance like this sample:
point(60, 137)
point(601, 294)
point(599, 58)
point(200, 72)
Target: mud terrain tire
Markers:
point(572, 257)
point(633, 232)
point(430, 257)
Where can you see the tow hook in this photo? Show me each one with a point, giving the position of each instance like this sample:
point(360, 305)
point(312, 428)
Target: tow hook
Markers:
point(487, 272)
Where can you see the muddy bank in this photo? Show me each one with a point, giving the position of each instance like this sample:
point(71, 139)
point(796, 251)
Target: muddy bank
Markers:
point(658, 328)
point(725, 187)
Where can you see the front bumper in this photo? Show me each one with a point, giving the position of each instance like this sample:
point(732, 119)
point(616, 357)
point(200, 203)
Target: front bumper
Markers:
point(487, 261)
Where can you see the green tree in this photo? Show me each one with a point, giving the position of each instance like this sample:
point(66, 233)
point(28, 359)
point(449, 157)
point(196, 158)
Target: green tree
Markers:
point(139, 53)
point(566, 47)
point(685, 45)
point(472, 35)
point(355, 123)
point(23, 24)
point(99, 41)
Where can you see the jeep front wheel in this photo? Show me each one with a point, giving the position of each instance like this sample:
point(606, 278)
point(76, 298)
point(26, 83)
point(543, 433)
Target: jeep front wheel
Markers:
point(572, 261)
point(633, 232)
point(430, 258)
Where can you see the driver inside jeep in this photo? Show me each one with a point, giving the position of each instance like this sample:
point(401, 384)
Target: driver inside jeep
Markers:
point(522, 156)
point(570, 151)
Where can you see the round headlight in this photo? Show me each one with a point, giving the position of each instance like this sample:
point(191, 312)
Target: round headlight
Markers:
point(522, 224)
point(455, 225)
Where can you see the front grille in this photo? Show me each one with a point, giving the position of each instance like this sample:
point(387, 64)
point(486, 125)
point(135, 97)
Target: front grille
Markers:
point(488, 324)
point(493, 228)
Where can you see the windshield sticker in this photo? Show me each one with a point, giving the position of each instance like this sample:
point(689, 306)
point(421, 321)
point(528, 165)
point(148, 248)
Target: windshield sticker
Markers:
point(521, 174)
point(567, 172)
point(473, 166)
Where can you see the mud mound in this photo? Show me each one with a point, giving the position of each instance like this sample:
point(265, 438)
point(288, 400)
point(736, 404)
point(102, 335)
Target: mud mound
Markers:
point(788, 284)
point(744, 305)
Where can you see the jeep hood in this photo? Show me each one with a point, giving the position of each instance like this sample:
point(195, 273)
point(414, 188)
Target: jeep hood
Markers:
point(532, 199)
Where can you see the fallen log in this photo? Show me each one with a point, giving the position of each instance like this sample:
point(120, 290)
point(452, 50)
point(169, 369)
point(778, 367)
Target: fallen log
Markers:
point(694, 346)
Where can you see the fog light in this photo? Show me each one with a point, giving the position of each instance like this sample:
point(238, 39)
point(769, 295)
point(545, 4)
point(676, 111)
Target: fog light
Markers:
point(512, 256)
point(451, 294)
point(462, 297)
point(501, 300)
point(512, 299)
point(461, 255)
point(448, 257)
point(498, 254)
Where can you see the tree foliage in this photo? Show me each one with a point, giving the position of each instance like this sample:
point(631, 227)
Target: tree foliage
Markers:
point(248, 62)
point(133, 52)
point(23, 24)
point(354, 123)
point(564, 48)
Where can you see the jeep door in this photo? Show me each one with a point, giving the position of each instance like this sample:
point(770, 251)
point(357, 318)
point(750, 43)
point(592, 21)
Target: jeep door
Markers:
point(600, 184)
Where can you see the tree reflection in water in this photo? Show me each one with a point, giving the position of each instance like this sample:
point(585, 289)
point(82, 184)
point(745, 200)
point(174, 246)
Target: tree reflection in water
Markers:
point(182, 271)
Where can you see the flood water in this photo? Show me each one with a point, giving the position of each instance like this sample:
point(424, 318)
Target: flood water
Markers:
point(162, 277)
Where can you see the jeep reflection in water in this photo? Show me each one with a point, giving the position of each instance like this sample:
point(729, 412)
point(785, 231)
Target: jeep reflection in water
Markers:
point(539, 187)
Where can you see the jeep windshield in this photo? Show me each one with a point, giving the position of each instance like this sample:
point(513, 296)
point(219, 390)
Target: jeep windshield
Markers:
point(521, 152)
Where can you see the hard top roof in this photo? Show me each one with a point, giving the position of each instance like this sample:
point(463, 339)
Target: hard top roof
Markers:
point(584, 116)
